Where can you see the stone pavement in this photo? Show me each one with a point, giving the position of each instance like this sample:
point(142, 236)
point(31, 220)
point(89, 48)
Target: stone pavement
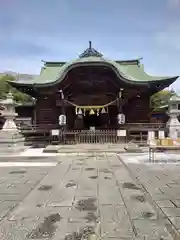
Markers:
point(85, 148)
point(161, 182)
point(16, 183)
point(83, 196)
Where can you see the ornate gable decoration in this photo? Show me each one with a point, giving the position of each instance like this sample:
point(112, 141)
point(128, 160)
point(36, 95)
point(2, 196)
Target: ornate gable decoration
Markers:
point(90, 52)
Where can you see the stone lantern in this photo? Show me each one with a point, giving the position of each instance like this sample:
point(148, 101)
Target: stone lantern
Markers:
point(9, 113)
point(10, 138)
point(173, 112)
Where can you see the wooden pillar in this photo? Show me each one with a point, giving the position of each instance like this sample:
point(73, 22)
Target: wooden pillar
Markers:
point(119, 100)
point(34, 116)
point(79, 123)
point(63, 110)
point(63, 102)
point(119, 106)
point(34, 113)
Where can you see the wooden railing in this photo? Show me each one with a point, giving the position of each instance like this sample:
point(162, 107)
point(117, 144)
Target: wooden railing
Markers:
point(143, 126)
point(136, 132)
point(127, 126)
point(87, 136)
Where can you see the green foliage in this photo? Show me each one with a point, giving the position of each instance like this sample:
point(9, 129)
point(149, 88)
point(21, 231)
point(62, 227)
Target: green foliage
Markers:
point(5, 88)
point(161, 98)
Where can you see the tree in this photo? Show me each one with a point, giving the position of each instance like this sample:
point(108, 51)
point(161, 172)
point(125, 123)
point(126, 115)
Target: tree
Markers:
point(5, 88)
point(161, 98)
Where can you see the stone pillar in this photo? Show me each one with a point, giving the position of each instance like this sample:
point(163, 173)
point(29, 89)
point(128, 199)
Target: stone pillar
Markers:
point(151, 137)
point(161, 134)
point(10, 138)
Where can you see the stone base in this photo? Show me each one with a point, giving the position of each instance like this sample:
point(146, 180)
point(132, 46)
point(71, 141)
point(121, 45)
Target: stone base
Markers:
point(51, 149)
point(132, 148)
point(11, 142)
point(85, 148)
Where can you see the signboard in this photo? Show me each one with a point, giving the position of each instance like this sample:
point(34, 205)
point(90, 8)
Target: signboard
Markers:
point(121, 118)
point(121, 133)
point(55, 132)
point(62, 120)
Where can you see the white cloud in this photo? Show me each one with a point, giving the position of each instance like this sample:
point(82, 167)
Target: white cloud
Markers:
point(21, 65)
point(173, 4)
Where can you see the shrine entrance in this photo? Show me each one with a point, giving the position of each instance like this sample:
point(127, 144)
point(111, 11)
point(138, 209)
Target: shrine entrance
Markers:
point(93, 120)
point(91, 116)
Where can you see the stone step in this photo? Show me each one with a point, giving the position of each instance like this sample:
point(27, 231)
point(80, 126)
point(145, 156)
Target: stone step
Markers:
point(69, 149)
point(132, 148)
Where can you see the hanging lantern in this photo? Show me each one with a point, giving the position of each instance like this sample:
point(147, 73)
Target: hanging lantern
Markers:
point(91, 112)
point(76, 110)
point(103, 111)
point(97, 112)
point(62, 120)
point(121, 118)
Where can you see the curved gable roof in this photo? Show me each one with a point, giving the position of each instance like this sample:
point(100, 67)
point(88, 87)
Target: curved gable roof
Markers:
point(128, 71)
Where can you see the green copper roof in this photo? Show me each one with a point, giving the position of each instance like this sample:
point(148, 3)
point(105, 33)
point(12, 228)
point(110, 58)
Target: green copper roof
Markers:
point(129, 71)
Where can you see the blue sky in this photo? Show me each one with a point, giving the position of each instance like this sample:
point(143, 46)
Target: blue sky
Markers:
point(35, 30)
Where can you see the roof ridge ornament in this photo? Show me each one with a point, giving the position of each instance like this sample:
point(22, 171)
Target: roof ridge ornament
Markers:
point(90, 44)
point(90, 52)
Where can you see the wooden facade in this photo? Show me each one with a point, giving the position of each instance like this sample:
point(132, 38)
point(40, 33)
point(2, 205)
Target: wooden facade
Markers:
point(93, 86)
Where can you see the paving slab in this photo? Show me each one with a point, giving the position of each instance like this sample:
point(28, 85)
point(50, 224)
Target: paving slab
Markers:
point(16, 183)
point(85, 148)
point(82, 196)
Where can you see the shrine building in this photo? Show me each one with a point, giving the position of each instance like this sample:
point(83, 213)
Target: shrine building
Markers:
point(91, 91)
